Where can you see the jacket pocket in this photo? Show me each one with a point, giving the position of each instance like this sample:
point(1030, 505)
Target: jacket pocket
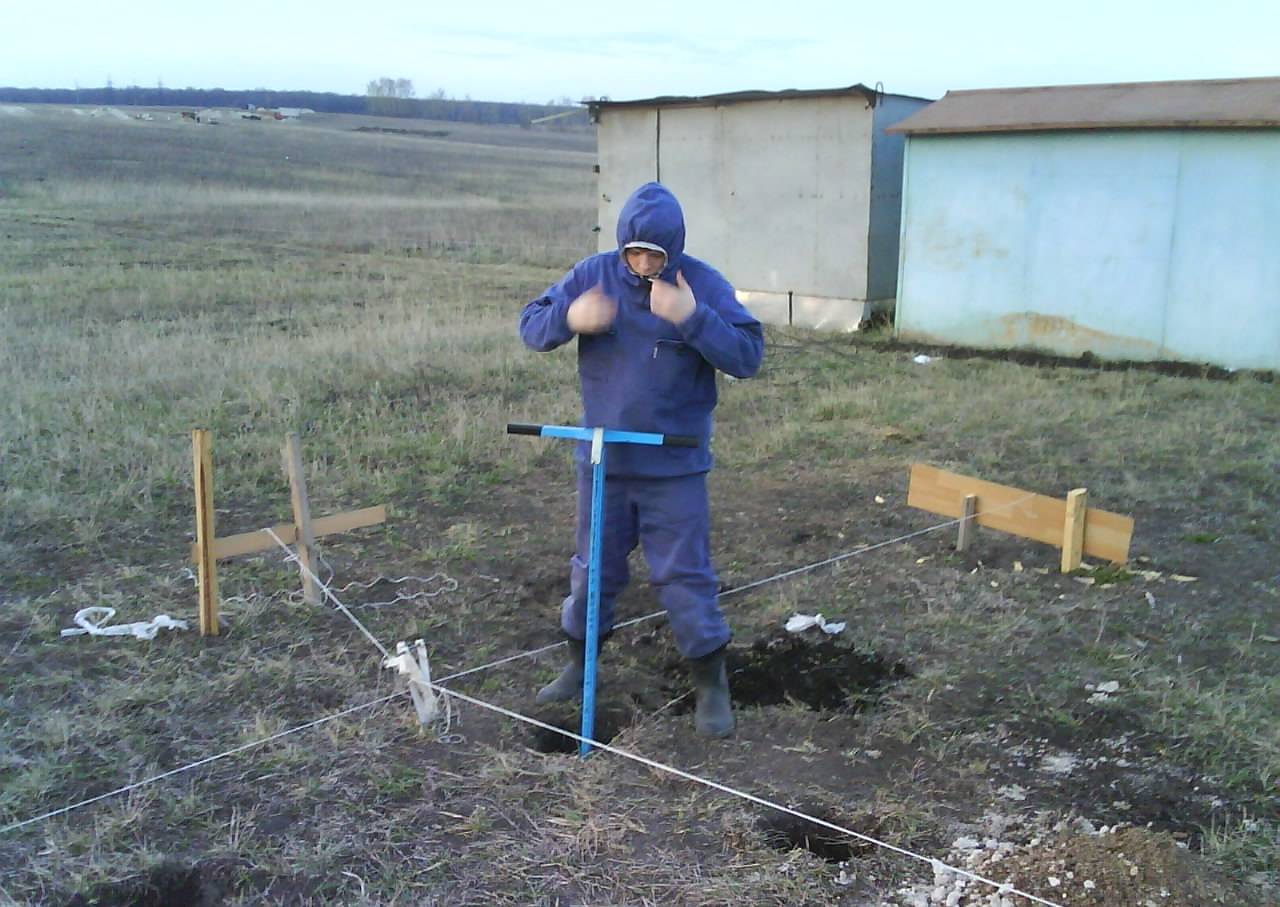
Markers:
point(674, 367)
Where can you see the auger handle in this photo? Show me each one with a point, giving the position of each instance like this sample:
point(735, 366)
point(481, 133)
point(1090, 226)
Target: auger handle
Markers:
point(533, 428)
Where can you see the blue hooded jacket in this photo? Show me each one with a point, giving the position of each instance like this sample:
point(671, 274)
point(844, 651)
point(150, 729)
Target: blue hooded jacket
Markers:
point(647, 374)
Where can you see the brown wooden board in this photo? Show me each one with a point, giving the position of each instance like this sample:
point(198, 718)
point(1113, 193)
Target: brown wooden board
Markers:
point(251, 542)
point(1012, 510)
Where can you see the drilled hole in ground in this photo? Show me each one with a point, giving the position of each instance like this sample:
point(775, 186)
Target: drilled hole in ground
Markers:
point(786, 832)
point(823, 674)
point(166, 885)
point(609, 721)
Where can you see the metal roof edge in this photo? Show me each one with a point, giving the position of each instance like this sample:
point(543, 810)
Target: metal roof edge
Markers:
point(1085, 86)
point(738, 97)
point(1171, 104)
point(1133, 126)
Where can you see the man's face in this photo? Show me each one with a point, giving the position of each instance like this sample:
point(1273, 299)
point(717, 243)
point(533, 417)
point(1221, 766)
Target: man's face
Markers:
point(646, 262)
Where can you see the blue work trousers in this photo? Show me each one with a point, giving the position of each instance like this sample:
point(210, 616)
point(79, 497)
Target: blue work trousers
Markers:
point(671, 519)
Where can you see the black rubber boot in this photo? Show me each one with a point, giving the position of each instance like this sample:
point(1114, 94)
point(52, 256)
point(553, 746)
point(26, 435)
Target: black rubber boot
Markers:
point(714, 714)
point(569, 684)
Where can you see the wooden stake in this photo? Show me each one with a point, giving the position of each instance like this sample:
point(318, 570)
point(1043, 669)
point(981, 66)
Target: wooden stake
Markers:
point(301, 517)
point(1073, 529)
point(206, 563)
point(967, 511)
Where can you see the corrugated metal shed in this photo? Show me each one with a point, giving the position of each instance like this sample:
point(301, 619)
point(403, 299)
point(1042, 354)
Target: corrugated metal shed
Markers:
point(795, 195)
point(1213, 104)
point(1132, 221)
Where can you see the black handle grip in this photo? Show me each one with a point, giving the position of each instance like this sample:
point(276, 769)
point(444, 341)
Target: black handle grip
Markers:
point(679, 441)
point(523, 428)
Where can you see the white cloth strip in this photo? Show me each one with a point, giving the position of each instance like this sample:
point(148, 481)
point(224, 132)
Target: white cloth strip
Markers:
point(93, 622)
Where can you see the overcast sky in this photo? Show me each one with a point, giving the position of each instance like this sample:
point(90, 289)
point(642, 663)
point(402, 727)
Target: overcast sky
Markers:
point(507, 51)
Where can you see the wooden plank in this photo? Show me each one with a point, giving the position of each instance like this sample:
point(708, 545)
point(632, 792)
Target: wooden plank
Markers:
point(206, 562)
point(252, 542)
point(351, 519)
point(1073, 529)
point(258, 540)
point(1018, 512)
point(968, 508)
point(306, 540)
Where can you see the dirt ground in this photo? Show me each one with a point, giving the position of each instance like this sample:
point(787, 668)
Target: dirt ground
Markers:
point(1095, 810)
point(1102, 738)
point(903, 734)
point(1092, 811)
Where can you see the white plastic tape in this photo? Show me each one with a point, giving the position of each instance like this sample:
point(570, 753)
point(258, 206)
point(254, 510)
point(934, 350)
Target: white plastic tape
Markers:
point(415, 667)
point(801, 622)
point(93, 622)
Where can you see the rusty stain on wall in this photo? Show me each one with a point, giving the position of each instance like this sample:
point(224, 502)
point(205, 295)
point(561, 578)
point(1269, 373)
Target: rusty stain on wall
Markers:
point(1048, 333)
point(1064, 335)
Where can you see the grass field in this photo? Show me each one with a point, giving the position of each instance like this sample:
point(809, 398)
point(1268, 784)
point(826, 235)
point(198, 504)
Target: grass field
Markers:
point(362, 289)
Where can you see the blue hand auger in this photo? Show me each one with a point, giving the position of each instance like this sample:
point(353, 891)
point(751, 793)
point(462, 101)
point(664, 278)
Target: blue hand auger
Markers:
point(598, 437)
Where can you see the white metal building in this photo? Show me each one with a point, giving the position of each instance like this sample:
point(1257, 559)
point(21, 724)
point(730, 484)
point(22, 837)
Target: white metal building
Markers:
point(1133, 221)
point(793, 195)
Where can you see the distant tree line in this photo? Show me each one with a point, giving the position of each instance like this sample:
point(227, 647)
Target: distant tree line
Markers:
point(391, 97)
point(435, 107)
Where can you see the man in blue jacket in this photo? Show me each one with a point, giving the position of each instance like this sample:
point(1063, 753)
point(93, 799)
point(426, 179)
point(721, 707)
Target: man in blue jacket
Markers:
point(653, 326)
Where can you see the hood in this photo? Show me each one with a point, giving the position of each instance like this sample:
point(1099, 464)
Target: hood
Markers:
point(652, 215)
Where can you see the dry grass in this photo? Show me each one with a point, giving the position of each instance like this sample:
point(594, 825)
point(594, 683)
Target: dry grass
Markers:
point(364, 293)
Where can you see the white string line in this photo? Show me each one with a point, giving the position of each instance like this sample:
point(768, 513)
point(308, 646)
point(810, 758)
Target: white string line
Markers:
point(636, 620)
point(291, 556)
point(738, 589)
point(866, 548)
point(520, 655)
point(1002, 887)
point(447, 584)
point(223, 755)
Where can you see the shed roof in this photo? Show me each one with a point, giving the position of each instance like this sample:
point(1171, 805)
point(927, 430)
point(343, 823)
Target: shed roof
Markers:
point(1209, 104)
point(871, 95)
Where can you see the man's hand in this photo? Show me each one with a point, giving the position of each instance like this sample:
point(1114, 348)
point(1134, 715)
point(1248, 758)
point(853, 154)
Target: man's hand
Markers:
point(592, 312)
point(672, 301)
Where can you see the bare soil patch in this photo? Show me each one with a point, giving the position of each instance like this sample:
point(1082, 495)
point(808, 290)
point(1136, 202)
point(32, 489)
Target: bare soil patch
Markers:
point(361, 290)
